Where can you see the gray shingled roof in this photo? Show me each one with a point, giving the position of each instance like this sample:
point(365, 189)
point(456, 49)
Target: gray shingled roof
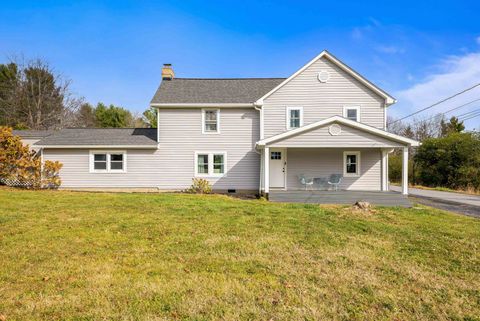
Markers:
point(31, 133)
point(102, 137)
point(213, 91)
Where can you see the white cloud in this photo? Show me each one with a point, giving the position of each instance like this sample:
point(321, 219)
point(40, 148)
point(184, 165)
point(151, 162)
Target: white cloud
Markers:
point(390, 49)
point(453, 75)
point(357, 33)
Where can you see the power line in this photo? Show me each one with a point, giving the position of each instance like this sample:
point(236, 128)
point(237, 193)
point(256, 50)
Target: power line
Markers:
point(468, 113)
point(472, 115)
point(437, 103)
point(455, 108)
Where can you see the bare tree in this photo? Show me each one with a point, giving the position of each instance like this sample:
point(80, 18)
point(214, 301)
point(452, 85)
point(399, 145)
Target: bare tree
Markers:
point(395, 126)
point(37, 97)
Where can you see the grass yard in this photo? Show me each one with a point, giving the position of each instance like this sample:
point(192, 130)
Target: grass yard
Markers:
point(99, 256)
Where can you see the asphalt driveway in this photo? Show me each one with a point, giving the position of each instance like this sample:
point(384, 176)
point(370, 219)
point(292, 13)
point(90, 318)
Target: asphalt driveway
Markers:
point(456, 202)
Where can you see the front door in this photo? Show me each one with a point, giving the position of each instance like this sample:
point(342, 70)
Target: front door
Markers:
point(277, 168)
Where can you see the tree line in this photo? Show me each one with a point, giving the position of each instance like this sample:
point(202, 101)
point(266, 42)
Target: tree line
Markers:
point(34, 96)
point(448, 157)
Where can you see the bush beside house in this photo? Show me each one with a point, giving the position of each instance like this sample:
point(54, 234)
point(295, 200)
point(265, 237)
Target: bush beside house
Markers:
point(452, 161)
point(22, 167)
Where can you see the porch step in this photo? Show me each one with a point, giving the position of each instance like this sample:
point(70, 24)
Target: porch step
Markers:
point(340, 197)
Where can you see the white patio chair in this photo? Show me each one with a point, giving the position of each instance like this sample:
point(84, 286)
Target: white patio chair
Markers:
point(305, 181)
point(335, 180)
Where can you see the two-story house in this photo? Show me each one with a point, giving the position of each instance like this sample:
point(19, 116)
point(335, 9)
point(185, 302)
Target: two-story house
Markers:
point(324, 127)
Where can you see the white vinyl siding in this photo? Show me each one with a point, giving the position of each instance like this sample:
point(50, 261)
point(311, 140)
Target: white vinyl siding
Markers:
point(30, 142)
point(348, 137)
point(323, 162)
point(171, 167)
point(322, 100)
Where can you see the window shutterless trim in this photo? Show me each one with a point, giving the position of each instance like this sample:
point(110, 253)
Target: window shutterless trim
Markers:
point(357, 154)
point(210, 173)
point(108, 154)
point(203, 121)
point(287, 117)
point(346, 108)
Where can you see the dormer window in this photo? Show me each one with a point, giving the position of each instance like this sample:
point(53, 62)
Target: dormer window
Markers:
point(210, 121)
point(294, 117)
point(352, 112)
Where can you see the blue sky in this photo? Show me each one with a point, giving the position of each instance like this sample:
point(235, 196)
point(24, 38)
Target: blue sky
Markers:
point(419, 51)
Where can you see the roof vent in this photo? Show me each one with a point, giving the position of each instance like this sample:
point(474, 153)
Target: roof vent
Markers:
point(167, 72)
point(323, 76)
point(335, 130)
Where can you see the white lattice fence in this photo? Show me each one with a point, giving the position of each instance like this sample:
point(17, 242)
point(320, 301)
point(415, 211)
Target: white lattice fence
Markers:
point(13, 182)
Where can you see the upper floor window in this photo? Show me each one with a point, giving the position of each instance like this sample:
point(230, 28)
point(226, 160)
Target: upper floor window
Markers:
point(210, 121)
point(294, 117)
point(108, 162)
point(352, 112)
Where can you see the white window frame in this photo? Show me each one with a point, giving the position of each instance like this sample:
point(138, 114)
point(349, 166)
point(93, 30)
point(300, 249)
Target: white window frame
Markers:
point(203, 121)
point(288, 116)
point(357, 173)
point(347, 108)
point(210, 164)
point(108, 153)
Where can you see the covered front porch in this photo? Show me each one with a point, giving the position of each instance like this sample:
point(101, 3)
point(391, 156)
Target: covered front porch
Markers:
point(332, 161)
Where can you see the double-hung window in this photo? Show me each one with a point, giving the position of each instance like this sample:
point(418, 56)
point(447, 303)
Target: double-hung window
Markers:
point(352, 112)
point(210, 164)
point(210, 121)
point(351, 164)
point(294, 117)
point(108, 162)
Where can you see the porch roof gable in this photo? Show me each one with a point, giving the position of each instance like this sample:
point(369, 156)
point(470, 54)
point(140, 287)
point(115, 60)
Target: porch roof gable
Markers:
point(341, 120)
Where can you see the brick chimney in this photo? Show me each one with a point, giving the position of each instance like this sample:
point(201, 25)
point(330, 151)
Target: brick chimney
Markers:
point(167, 72)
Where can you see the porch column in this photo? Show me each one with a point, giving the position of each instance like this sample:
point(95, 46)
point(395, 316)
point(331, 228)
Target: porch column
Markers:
point(384, 170)
point(405, 171)
point(266, 170)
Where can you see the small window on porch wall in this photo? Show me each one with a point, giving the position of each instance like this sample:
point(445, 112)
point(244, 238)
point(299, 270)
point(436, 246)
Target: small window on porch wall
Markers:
point(294, 117)
point(351, 164)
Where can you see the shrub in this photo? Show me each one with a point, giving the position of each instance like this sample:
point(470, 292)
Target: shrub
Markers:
point(452, 161)
point(395, 168)
point(22, 167)
point(199, 186)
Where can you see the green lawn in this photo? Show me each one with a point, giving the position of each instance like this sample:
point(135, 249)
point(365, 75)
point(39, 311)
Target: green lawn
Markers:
point(94, 256)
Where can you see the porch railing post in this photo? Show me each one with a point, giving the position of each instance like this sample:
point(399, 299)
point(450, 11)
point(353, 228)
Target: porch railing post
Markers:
point(266, 170)
point(405, 171)
point(384, 170)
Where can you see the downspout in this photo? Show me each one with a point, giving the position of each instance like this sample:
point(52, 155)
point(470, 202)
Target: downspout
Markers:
point(259, 108)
